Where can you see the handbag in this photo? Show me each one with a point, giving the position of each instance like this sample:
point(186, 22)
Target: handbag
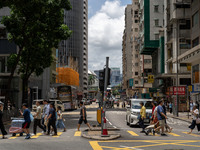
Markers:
point(198, 121)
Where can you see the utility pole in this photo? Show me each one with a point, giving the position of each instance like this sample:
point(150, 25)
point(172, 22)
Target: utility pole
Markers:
point(177, 80)
point(104, 94)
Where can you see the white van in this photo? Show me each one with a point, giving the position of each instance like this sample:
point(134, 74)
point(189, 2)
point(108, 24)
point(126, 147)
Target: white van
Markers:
point(55, 101)
point(133, 111)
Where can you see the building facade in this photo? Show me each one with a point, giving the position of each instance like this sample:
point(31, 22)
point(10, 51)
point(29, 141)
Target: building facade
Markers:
point(115, 77)
point(73, 52)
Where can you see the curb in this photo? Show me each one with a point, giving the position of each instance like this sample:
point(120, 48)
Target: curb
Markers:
point(180, 119)
point(98, 137)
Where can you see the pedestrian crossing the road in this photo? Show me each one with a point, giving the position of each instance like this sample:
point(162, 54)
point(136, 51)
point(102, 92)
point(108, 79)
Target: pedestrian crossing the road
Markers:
point(182, 134)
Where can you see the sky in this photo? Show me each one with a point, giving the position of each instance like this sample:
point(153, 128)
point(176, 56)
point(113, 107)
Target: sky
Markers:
point(105, 31)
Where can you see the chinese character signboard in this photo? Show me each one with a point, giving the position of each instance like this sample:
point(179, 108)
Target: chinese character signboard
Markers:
point(150, 78)
point(190, 88)
point(180, 91)
point(130, 82)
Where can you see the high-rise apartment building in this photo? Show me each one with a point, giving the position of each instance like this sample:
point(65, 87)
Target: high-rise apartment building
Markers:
point(73, 52)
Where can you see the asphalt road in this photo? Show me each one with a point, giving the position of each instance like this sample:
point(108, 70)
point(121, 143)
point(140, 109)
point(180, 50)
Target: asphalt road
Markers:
point(131, 137)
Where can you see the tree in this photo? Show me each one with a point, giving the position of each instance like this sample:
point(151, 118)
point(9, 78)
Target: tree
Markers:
point(35, 26)
point(91, 79)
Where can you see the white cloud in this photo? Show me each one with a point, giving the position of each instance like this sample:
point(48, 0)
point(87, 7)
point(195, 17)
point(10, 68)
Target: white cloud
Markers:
point(105, 35)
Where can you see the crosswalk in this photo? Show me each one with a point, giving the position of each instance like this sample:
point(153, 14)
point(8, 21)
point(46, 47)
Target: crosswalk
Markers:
point(182, 134)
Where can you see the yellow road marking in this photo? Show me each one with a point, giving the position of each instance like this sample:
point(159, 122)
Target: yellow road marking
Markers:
point(58, 134)
point(14, 137)
point(95, 144)
point(77, 133)
point(191, 134)
point(173, 134)
point(154, 135)
point(132, 133)
point(36, 136)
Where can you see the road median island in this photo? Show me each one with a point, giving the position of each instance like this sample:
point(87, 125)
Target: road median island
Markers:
point(95, 134)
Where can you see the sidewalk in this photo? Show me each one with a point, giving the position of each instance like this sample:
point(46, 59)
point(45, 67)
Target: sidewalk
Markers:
point(183, 116)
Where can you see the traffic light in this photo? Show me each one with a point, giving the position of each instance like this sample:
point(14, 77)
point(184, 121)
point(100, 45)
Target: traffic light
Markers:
point(102, 78)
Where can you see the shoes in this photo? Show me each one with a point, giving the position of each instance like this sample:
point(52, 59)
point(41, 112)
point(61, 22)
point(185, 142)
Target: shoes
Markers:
point(32, 134)
point(147, 133)
point(4, 137)
point(170, 130)
point(28, 136)
point(64, 130)
point(154, 132)
point(142, 131)
point(163, 134)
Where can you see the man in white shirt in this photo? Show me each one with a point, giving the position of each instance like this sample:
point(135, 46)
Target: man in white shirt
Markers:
point(45, 112)
point(37, 119)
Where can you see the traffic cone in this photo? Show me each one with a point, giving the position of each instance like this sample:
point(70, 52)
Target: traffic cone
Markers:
point(105, 131)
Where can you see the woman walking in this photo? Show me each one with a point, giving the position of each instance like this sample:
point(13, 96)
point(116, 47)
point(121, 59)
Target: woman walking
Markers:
point(60, 123)
point(3, 131)
point(52, 119)
point(195, 113)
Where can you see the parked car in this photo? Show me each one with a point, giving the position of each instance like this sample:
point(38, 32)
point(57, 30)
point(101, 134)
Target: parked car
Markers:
point(55, 101)
point(133, 111)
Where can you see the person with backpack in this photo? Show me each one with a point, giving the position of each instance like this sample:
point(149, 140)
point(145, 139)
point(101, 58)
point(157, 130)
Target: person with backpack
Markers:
point(161, 118)
point(60, 123)
point(52, 120)
point(37, 119)
point(27, 119)
point(3, 131)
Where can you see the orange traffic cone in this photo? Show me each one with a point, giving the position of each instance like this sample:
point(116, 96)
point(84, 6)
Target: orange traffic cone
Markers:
point(105, 131)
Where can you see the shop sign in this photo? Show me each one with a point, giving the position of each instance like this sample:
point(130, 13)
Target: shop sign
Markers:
point(190, 88)
point(180, 91)
point(197, 87)
point(130, 82)
point(171, 91)
point(150, 78)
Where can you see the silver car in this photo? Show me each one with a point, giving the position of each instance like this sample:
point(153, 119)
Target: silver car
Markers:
point(133, 111)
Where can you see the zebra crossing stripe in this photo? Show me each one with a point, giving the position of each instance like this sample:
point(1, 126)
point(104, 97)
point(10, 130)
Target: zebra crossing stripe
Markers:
point(36, 136)
point(191, 134)
point(173, 134)
point(58, 134)
point(77, 133)
point(132, 133)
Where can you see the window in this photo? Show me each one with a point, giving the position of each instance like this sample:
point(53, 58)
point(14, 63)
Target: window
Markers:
point(136, 21)
point(136, 12)
point(3, 34)
point(136, 29)
point(136, 55)
point(147, 61)
point(136, 64)
point(195, 42)
point(136, 73)
point(136, 82)
point(156, 22)
point(156, 36)
point(156, 8)
point(185, 26)
point(195, 19)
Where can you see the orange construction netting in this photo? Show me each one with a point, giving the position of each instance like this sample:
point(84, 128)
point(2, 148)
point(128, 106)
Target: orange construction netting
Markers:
point(67, 76)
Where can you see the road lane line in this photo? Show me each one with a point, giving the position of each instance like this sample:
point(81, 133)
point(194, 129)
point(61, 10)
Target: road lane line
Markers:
point(132, 133)
point(77, 133)
point(191, 134)
point(173, 134)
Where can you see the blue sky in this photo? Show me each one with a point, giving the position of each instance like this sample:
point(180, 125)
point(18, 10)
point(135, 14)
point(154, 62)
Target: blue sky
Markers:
point(95, 5)
point(105, 32)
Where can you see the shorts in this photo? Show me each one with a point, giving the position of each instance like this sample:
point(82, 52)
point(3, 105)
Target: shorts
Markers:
point(81, 120)
point(162, 123)
point(26, 125)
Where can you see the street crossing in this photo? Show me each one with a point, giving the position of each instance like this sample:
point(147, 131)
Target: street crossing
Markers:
point(181, 134)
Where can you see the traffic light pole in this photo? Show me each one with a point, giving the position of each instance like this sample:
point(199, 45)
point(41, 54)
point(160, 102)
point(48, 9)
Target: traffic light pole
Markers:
point(104, 94)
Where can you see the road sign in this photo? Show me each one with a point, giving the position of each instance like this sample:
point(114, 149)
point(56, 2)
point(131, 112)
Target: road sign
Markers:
point(150, 78)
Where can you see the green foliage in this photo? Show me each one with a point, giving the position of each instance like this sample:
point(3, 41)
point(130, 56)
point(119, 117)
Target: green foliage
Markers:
point(36, 26)
point(11, 60)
